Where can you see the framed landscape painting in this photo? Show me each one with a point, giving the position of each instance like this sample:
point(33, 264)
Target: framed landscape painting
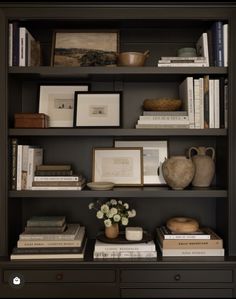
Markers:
point(84, 48)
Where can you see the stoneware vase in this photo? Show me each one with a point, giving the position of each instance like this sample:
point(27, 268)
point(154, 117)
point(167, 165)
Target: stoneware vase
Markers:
point(178, 172)
point(112, 231)
point(204, 165)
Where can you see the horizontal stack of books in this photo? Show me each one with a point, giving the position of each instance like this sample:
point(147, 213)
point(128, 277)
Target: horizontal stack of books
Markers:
point(125, 251)
point(57, 177)
point(204, 242)
point(182, 61)
point(50, 237)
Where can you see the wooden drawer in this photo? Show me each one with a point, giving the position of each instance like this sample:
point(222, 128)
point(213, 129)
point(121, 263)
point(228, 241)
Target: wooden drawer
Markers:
point(176, 293)
point(148, 276)
point(82, 275)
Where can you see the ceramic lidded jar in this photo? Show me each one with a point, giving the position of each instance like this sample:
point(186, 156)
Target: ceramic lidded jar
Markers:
point(204, 165)
point(178, 172)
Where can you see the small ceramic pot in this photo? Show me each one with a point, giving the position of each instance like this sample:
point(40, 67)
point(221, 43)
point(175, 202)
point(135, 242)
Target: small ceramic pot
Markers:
point(112, 231)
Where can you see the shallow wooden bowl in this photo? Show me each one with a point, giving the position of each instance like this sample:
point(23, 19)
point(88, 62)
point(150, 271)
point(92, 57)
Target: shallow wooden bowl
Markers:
point(162, 104)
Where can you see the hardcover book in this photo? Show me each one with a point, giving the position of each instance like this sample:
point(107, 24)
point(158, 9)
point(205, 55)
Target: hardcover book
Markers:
point(46, 221)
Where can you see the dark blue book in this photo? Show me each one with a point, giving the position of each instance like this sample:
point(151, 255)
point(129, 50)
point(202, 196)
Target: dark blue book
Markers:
point(15, 44)
point(217, 43)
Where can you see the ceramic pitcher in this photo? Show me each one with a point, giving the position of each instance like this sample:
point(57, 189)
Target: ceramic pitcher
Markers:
point(204, 165)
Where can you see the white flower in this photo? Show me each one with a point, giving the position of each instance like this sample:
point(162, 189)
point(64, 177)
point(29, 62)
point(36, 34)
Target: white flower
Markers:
point(113, 202)
point(133, 213)
point(99, 214)
point(104, 208)
point(107, 222)
point(109, 214)
point(126, 206)
point(114, 211)
point(116, 217)
point(120, 202)
point(124, 221)
point(91, 205)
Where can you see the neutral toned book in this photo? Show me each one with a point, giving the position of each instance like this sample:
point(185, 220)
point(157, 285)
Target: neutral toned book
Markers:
point(72, 178)
point(187, 96)
point(46, 221)
point(45, 229)
point(77, 242)
point(54, 167)
point(213, 243)
point(164, 121)
point(183, 64)
point(58, 183)
point(104, 247)
point(163, 117)
point(165, 113)
point(35, 157)
point(19, 166)
point(202, 234)
point(225, 43)
point(35, 250)
point(202, 47)
point(158, 126)
point(124, 254)
point(48, 256)
point(58, 188)
point(178, 58)
point(193, 252)
point(53, 172)
point(68, 234)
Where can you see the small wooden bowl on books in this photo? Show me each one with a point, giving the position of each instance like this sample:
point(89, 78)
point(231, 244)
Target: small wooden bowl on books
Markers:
point(162, 104)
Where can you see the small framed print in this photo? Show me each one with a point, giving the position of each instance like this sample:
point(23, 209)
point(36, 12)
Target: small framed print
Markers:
point(57, 101)
point(97, 109)
point(154, 154)
point(85, 48)
point(122, 166)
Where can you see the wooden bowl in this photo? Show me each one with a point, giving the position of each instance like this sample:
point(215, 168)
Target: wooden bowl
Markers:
point(162, 104)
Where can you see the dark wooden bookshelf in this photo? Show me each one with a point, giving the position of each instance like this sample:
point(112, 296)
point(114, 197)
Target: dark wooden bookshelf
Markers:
point(162, 28)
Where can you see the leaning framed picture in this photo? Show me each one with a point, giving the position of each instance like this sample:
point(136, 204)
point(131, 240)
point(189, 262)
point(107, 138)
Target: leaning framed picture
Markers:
point(57, 101)
point(154, 154)
point(85, 48)
point(97, 109)
point(122, 166)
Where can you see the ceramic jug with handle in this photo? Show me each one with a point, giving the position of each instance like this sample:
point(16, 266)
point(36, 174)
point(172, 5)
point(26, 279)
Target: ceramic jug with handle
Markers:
point(204, 165)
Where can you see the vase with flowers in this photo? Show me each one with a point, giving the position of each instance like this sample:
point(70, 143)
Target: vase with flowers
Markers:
point(113, 212)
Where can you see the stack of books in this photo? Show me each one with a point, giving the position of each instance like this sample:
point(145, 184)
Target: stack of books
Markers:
point(124, 251)
point(204, 242)
point(182, 61)
point(50, 238)
point(163, 119)
point(57, 177)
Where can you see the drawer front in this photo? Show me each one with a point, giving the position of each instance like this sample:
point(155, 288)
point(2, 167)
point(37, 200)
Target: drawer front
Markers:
point(176, 293)
point(169, 276)
point(63, 275)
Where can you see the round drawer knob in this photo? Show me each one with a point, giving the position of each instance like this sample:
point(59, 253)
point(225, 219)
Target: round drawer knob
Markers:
point(177, 277)
point(59, 276)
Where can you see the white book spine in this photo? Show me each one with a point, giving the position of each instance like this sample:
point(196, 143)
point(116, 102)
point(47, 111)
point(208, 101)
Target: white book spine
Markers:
point(211, 104)
point(193, 252)
point(10, 44)
point(19, 167)
point(46, 256)
point(187, 237)
point(35, 158)
point(196, 58)
point(217, 103)
point(124, 254)
point(164, 121)
point(29, 43)
point(187, 96)
point(22, 46)
point(196, 104)
point(206, 47)
point(201, 101)
point(183, 64)
point(161, 126)
point(164, 118)
point(120, 248)
point(55, 188)
point(56, 178)
point(225, 43)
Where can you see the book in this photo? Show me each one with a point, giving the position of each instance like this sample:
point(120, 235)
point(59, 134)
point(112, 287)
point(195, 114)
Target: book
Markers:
point(77, 242)
point(201, 234)
point(213, 243)
point(225, 43)
point(53, 172)
point(35, 250)
point(202, 47)
point(68, 234)
point(206, 101)
point(45, 221)
point(163, 117)
point(58, 188)
point(14, 143)
point(211, 104)
point(193, 252)
point(45, 229)
point(53, 167)
point(124, 254)
point(72, 178)
point(19, 166)
point(24, 170)
point(15, 44)
point(106, 247)
point(10, 44)
point(159, 126)
point(183, 64)
point(196, 101)
point(48, 256)
point(187, 96)
point(165, 113)
point(58, 183)
point(179, 58)
point(164, 121)
point(35, 157)
point(217, 103)
point(217, 42)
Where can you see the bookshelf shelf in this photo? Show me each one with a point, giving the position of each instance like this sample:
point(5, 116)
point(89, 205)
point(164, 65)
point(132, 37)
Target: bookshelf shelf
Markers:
point(116, 132)
point(132, 192)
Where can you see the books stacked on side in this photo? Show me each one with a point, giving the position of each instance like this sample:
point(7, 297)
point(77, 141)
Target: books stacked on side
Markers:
point(163, 119)
point(182, 61)
point(204, 242)
point(24, 50)
point(50, 238)
point(125, 251)
point(57, 177)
